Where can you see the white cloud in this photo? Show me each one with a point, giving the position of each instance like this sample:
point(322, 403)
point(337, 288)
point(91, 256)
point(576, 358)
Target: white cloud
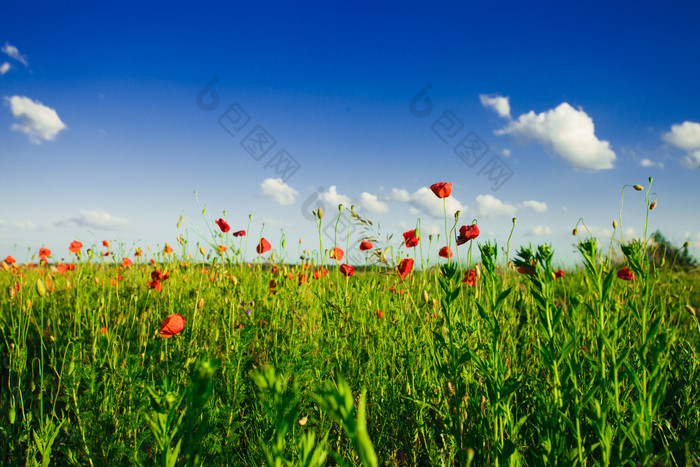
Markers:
point(13, 52)
point(426, 201)
point(497, 103)
point(537, 206)
point(399, 195)
point(685, 136)
point(538, 231)
point(568, 132)
point(598, 232)
point(25, 225)
point(490, 207)
point(371, 203)
point(4, 68)
point(97, 219)
point(506, 152)
point(334, 198)
point(36, 120)
point(650, 163)
point(278, 191)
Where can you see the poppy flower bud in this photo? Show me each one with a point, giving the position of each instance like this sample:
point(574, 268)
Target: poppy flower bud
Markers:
point(638, 187)
point(284, 243)
point(652, 206)
point(201, 250)
point(686, 244)
point(426, 299)
point(320, 212)
point(40, 288)
point(650, 179)
point(457, 213)
point(340, 208)
point(574, 232)
point(614, 224)
point(204, 211)
point(299, 240)
point(515, 219)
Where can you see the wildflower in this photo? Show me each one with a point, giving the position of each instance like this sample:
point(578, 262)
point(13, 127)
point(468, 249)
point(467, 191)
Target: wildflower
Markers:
point(240, 233)
point(442, 190)
point(106, 253)
point(405, 267)
point(320, 272)
point(347, 270)
point(223, 225)
point(652, 206)
point(365, 245)
point(172, 325)
point(559, 273)
point(263, 246)
point(10, 260)
point(466, 233)
point(138, 252)
point(638, 187)
point(380, 314)
point(156, 278)
point(105, 243)
point(410, 238)
point(527, 269)
point(470, 278)
point(126, 262)
point(103, 330)
point(168, 250)
point(625, 274)
point(75, 247)
point(222, 248)
point(272, 285)
point(445, 252)
point(61, 268)
point(336, 254)
point(44, 253)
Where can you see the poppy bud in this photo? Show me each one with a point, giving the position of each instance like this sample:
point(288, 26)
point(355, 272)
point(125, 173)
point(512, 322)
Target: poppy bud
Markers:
point(686, 244)
point(284, 243)
point(40, 288)
point(638, 187)
point(201, 250)
point(515, 219)
point(426, 299)
point(574, 232)
point(652, 206)
point(320, 212)
point(340, 208)
point(204, 211)
point(299, 240)
point(11, 415)
point(5, 266)
point(457, 213)
point(650, 179)
point(614, 224)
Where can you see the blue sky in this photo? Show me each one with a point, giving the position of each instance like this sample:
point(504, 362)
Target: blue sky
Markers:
point(102, 134)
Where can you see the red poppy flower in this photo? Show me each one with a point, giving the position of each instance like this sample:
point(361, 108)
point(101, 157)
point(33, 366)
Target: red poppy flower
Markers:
point(240, 233)
point(442, 190)
point(466, 233)
point(410, 238)
point(445, 252)
point(320, 272)
point(336, 254)
point(103, 330)
point(10, 260)
point(62, 268)
point(138, 252)
point(168, 250)
point(75, 247)
point(559, 273)
point(105, 253)
point(380, 314)
point(44, 253)
point(527, 269)
point(652, 206)
point(172, 325)
point(223, 225)
point(263, 246)
point(71, 267)
point(105, 243)
point(347, 270)
point(625, 274)
point(156, 277)
point(365, 245)
point(470, 278)
point(405, 267)
point(222, 248)
point(272, 284)
point(126, 262)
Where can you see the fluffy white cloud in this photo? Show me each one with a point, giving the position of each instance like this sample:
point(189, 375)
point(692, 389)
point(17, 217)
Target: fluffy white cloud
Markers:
point(426, 201)
point(497, 103)
point(538, 231)
point(97, 219)
point(278, 191)
point(537, 206)
point(4, 68)
point(13, 52)
point(650, 163)
point(490, 207)
point(333, 198)
point(506, 152)
point(568, 132)
point(399, 195)
point(36, 120)
point(685, 136)
point(371, 203)
point(25, 225)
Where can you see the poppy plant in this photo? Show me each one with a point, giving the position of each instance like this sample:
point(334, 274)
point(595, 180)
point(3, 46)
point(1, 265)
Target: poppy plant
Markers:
point(559, 273)
point(62, 268)
point(44, 253)
point(405, 267)
point(410, 238)
point(466, 233)
point(470, 278)
point(10, 260)
point(105, 243)
point(75, 247)
point(347, 270)
point(240, 233)
point(222, 248)
point(445, 252)
point(172, 325)
point(263, 246)
point(442, 190)
point(156, 277)
point(336, 254)
point(223, 225)
point(320, 272)
point(625, 274)
point(126, 262)
point(365, 245)
point(168, 250)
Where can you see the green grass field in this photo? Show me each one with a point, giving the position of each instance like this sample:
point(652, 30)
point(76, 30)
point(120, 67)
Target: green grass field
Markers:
point(274, 366)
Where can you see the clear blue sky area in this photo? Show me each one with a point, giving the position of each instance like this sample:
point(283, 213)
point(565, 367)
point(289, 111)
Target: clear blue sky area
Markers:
point(112, 116)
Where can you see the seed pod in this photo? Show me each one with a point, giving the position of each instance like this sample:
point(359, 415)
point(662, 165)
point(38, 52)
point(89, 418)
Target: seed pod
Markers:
point(40, 288)
point(638, 187)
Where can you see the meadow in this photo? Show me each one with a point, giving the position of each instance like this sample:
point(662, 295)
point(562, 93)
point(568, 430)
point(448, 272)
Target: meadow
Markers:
point(490, 356)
